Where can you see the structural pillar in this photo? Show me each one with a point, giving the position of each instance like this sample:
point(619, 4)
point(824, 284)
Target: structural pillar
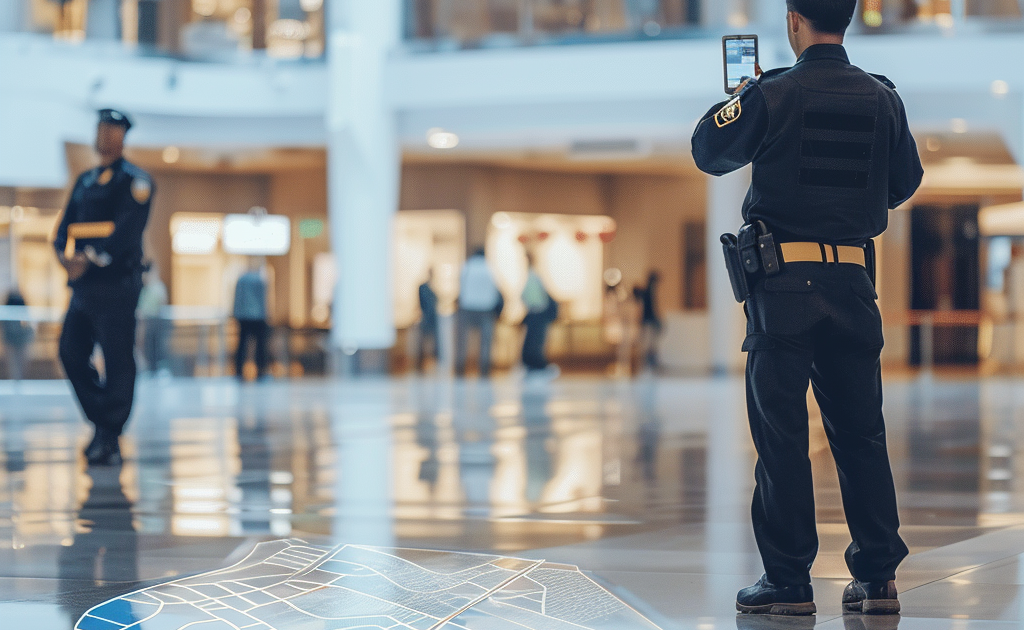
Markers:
point(364, 164)
point(721, 13)
point(726, 320)
point(103, 22)
point(12, 16)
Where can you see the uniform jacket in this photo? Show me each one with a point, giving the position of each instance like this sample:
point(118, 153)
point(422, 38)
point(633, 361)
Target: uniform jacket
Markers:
point(830, 146)
point(122, 193)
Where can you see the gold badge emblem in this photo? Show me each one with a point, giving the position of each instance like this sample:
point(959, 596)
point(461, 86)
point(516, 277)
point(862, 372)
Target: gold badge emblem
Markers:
point(141, 189)
point(105, 177)
point(730, 113)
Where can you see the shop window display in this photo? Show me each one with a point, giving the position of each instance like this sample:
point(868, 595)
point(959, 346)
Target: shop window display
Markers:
point(428, 243)
point(944, 13)
point(469, 21)
point(288, 29)
point(569, 253)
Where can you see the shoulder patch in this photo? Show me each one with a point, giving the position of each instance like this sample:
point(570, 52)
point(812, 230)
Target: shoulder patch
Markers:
point(730, 113)
point(141, 189)
point(884, 80)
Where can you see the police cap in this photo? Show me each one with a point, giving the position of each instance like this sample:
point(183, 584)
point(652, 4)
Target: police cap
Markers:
point(116, 118)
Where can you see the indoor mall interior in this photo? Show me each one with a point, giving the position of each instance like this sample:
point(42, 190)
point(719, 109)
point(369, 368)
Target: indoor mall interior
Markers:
point(361, 152)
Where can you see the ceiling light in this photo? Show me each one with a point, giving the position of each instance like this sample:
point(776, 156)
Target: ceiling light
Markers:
point(1000, 88)
point(171, 155)
point(933, 144)
point(958, 125)
point(501, 220)
point(311, 5)
point(205, 8)
point(440, 139)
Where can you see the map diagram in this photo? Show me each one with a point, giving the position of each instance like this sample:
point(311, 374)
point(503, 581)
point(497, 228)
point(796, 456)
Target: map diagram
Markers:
point(290, 584)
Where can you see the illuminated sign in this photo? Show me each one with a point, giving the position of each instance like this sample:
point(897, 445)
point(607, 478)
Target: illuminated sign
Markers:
point(248, 235)
point(194, 236)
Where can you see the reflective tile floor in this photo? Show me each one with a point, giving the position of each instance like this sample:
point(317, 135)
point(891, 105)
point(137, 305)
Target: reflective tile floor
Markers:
point(644, 485)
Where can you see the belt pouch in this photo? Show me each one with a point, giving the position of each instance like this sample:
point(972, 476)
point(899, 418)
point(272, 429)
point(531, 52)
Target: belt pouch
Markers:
point(735, 265)
point(747, 243)
point(769, 254)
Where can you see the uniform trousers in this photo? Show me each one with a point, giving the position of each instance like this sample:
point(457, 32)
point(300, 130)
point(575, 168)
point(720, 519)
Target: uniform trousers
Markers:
point(102, 313)
point(819, 323)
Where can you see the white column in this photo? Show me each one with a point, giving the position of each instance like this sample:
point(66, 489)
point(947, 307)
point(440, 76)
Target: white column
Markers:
point(363, 169)
point(715, 13)
point(12, 16)
point(364, 479)
point(103, 20)
point(727, 323)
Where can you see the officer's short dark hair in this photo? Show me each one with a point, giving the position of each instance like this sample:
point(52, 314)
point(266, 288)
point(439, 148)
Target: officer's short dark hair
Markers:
point(826, 16)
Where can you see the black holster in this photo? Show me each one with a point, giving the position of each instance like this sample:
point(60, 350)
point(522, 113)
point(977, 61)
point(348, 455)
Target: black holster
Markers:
point(749, 255)
point(734, 264)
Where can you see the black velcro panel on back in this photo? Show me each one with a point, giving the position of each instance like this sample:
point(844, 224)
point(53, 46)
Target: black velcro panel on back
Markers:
point(830, 178)
point(836, 150)
point(839, 122)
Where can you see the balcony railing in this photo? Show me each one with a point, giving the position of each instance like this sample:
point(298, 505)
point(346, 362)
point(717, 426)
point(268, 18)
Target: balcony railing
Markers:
point(221, 30)
point(460, 24)
point(453, 24)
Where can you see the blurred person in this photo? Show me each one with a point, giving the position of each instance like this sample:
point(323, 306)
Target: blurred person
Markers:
point(813, 315)
point(541, 310)
point(480, 304)
point(428, 328)
point(99, 243)
point(650, 322)
point(18, 336)
point(618, 327)
point(152, 301)
point(250, 311)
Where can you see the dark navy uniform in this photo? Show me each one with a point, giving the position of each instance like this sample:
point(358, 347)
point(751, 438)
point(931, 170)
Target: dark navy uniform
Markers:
point(104, 298)
point(832, 152)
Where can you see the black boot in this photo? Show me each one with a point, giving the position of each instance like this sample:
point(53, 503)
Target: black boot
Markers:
point(871, 598)
point(765, 598)
point(94, 445)
point(106, 453)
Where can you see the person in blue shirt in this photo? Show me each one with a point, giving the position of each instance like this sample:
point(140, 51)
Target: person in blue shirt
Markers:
point(250, 311)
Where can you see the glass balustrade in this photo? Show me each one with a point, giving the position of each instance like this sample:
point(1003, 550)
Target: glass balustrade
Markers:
point(201, 29)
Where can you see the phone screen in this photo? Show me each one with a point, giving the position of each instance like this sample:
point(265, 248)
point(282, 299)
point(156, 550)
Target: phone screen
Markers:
point(740, 58)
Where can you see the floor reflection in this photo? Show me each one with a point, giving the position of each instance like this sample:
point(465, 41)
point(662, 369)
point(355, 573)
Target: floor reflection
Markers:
point(646, 483)
point(104, 552)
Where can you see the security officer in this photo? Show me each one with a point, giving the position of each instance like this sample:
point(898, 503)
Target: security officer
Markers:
point(832, 153)
point(99, 242)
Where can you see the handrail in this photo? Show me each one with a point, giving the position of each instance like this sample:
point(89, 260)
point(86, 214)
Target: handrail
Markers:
point(935, 318)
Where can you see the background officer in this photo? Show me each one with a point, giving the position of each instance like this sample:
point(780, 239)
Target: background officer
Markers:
point(831, 153)
point(99, 242)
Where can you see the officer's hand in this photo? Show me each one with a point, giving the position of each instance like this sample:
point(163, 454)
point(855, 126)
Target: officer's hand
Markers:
point(757, 73)
point(76, 266)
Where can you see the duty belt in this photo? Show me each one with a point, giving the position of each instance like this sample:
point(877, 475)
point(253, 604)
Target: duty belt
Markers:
point(822, 253)
point(83, 231)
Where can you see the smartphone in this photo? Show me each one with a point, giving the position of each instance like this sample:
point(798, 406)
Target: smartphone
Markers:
point(739, 52)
